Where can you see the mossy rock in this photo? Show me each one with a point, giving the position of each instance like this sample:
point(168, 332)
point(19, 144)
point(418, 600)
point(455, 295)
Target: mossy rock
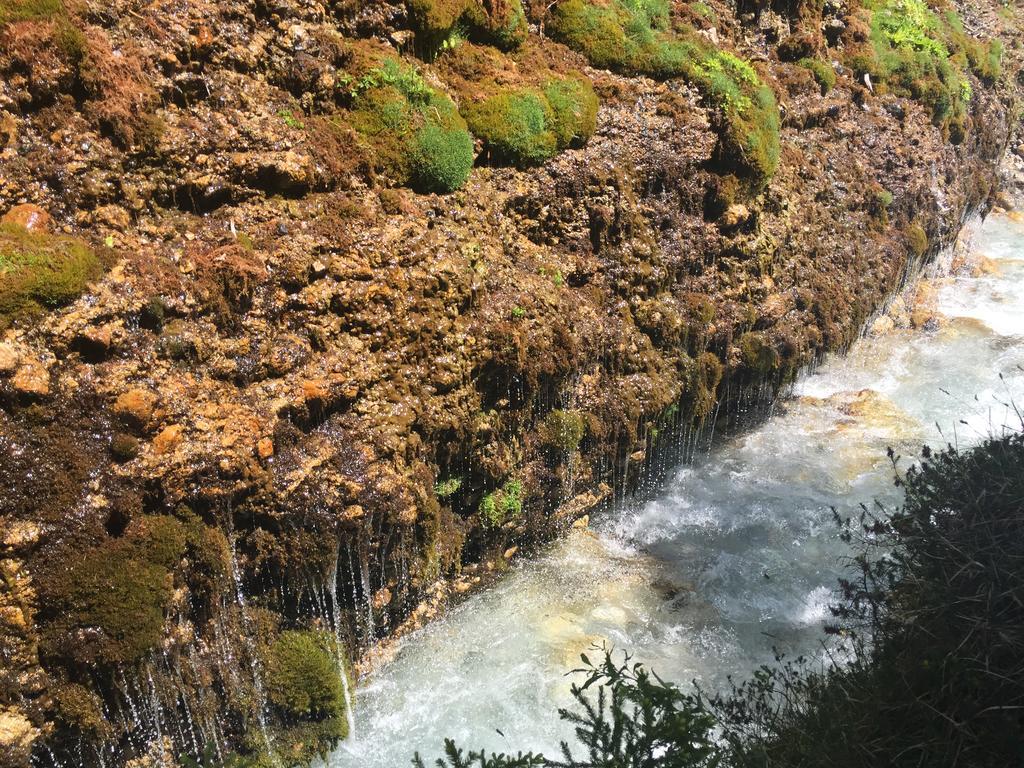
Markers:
point(917, 240)
point(12, 11)
point(438, 22)
point(526, 126)
point(703, 375)
point(563, 430)
point(628, 36)
point(81, 709)
point(415, 134)
point(514, 127)
point(636, 37)
point(502, 505)
point(110, 602)
point(107, 603)
point(822, 71)
point(758, 355)
point(124, 447)
point(40, 271)
point(304, 685)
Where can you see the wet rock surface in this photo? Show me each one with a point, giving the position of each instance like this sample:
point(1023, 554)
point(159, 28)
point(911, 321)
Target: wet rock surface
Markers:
point(303, 398)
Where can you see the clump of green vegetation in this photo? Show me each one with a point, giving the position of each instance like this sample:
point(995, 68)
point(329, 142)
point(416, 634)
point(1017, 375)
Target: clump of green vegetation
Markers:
point(109, 603)
point(290, 119)
point(573, 106)
point(563, 430)
point(39, 271)
point(924, 54)
point(635, 37)
point(879, 199)
point(80, 708)
point(629, 36)
point(303, 678)
point(822, 71)
point(704, 374)
point(503, 505)
point(758, 355)
point(445, 488)
point(415, 134)
point(917, 239)
point(304, 685)
point(439, 22)
point(12, 11)
point(526, 126)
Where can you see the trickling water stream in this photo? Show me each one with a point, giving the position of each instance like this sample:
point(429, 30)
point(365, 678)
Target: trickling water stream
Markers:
point(735, 555)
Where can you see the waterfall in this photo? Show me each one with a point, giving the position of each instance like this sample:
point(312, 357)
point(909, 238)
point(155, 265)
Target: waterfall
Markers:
point(332, 590)
point(257, 678)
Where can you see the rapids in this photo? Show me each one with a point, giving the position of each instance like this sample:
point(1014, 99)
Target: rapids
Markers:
point(737, 554)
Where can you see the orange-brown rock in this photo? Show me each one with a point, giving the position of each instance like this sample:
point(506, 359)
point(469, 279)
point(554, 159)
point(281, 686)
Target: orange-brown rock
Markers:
point(32, 379)
point(29, 216)
point(136, 407)
point(168, 439)
point(265, 448)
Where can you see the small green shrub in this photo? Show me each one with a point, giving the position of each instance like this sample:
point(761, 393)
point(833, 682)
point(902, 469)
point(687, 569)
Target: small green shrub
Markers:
point(415, 134)
point(290, 119)
point(443, 158)
point(527, 126)
point(822, 71)
point(503, 505)
point(39, 271)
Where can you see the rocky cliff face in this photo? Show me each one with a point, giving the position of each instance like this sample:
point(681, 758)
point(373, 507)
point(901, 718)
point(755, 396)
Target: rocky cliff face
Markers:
point(303, 399)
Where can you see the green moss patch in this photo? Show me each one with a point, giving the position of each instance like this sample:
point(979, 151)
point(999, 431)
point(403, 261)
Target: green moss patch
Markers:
point(39, 271)
point(415, 134)
point(628, 36)
point(925, 54)
point(563, 430)
point(635, 37)
point(503, 505)
point(303, 681)
point(521, 110)
point(109, 603)
point(822, 71)
point(437, 22)
point(12, 11)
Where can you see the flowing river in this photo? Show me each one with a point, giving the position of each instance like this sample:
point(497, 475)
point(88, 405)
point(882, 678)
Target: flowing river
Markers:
point(736, 555)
